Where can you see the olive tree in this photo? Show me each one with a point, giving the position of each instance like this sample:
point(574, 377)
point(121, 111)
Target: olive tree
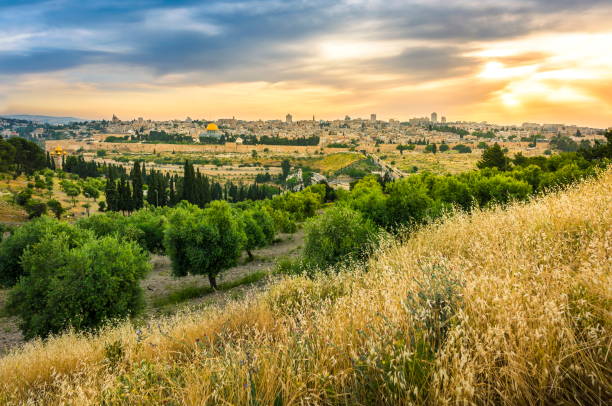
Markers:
point(204, 242)
point(258, 228)
point(78, 286)
point(32, 232)
point(338, 234)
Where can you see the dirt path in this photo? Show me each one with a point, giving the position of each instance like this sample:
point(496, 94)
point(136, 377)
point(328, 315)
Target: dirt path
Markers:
point(9, 331)
point(160, 281)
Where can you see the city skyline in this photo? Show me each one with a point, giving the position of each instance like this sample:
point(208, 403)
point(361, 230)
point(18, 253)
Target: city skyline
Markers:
point(504, 62)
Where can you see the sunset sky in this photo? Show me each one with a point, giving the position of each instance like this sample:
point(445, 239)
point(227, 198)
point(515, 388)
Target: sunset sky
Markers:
point(547, 61)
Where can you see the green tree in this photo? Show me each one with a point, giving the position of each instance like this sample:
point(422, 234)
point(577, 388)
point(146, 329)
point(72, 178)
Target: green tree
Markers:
point(87, 206)
point(368, 198)
point(90, 190)
point(137, 187)
point(204, 242)
point(258, 228)
point(401, 148)
point(7, 155)
point(56, 208)
point(35, 208)
point(71, 189)
point(494, 157)
point(338, 234)
point(409, 202)
point(78, 286)
point(28, 157)
point(444, 147)
point(563, 143)
point(27, 235)
point(285, 167)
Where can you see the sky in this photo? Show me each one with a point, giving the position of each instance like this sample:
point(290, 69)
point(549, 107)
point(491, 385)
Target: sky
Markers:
point(508, 62)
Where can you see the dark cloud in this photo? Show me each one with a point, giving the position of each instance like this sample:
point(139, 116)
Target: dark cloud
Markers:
point(47, 60)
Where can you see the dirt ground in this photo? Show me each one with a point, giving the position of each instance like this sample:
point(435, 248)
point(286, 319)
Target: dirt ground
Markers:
point(160, 283)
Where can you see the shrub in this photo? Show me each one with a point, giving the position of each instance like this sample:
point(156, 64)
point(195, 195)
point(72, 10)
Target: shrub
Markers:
point(336, 235)
point(115, 224)
point(22, 197)
point(79, 287)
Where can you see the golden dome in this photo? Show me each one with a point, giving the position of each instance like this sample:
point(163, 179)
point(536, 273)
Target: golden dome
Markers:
point(212, 127)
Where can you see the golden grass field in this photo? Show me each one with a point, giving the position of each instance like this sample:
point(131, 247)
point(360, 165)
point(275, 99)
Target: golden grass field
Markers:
point(526, 292)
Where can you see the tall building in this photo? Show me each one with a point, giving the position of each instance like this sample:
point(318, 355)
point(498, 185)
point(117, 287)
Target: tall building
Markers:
point(289, 119)
point(434, 117)
point(443, 119)
point(372, 117)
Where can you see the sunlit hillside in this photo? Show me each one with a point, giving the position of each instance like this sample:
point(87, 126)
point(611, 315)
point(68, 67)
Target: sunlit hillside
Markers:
point(505, 306)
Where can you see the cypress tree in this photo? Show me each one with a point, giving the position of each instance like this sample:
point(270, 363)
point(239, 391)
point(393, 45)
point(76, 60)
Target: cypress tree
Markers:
point(137, 193)
point(110, 192)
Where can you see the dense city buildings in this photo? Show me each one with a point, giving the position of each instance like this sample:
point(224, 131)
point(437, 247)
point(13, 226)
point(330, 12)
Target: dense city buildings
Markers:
point(347, 131)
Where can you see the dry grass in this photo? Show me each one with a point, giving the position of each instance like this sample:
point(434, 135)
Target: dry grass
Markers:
point(499, 307)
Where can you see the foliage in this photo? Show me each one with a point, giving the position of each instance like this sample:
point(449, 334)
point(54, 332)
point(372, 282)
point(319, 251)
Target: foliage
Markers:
point(35, 208)
point(338, 234)
point(462, 149)
point(494, 157)
point(203, 241)
point(21, 155)
point(409, 202)
point(77, 286)
point(563, 143)
point(29, 234)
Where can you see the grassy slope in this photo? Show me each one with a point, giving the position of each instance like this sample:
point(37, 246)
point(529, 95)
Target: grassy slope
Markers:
point(532, 324)
point(334, 162)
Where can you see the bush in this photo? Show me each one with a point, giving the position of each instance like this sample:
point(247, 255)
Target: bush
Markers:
point(499, 189)
point(12, 248)
point(336, 235)
point(283, 221)
point(79, 287)
point(113, 224)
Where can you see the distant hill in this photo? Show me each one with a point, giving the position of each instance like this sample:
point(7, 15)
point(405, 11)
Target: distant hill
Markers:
point(44, 119)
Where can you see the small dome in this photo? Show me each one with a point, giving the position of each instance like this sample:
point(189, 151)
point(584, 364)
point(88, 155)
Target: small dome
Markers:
point(212, 127)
